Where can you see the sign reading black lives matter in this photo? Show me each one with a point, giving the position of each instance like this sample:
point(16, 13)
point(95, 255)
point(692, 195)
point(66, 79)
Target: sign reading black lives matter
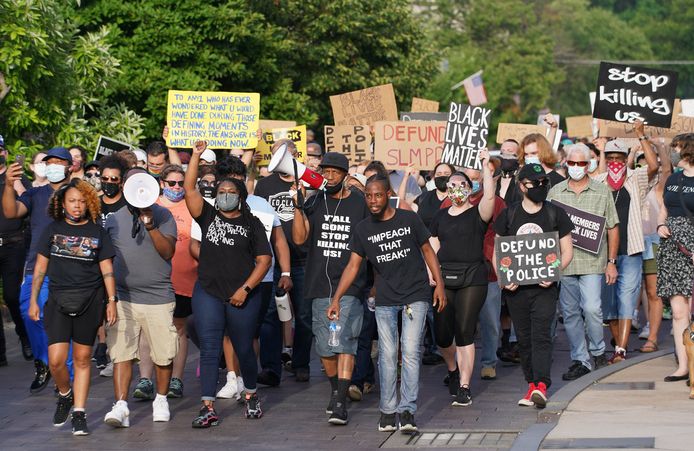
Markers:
point(588, 228)
point(629, 93)
point(106, 146)
point(466, 135)
point(528, 259)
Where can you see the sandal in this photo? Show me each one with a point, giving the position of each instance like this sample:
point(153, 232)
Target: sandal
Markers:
point(649, 346)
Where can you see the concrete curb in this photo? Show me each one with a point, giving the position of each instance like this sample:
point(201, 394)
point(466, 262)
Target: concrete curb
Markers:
point(548, 418)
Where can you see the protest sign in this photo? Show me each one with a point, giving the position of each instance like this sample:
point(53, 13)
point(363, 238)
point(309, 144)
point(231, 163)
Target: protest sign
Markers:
point(226, 120)
point(518, 131)
point(296, 134)
point(353, 141)
point(424, 105)
point(579, 126)
point(627, 93)
point(106, 146)
point(528, 259)
point(414, 116)
point(466, 134)
point(365, 107)
point(401, 144)
point(588, 228)
point(269, 124)
point(687, 107)
point(680, 124)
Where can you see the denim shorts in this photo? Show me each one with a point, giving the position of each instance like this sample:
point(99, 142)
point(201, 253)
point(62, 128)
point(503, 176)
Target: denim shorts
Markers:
point(350, 320)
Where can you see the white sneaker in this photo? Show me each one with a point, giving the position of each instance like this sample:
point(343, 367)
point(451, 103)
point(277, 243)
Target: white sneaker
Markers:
point(108, 371)
point(119, 416)
point(230, 389)
point(240, 390)
point(645, 332)
point(160, 409)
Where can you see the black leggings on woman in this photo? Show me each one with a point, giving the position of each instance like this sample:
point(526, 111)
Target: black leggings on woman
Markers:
point(459, 319)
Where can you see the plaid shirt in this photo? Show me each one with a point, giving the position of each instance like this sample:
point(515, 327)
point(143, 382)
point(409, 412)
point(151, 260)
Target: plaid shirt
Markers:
point(595, 198)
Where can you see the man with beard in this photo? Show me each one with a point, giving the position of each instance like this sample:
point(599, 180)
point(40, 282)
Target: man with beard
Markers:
point(396, 242)
point(327, 223)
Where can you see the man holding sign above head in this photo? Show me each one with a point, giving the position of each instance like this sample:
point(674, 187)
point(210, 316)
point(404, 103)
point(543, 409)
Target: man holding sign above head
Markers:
point(532, 307)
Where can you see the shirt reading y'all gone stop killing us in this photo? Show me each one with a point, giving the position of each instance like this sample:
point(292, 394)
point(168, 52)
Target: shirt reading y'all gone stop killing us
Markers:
point(394, 247)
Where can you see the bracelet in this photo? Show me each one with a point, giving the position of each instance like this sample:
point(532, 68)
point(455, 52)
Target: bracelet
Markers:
point(659, 226)
point(643, 138)
point(286, 274)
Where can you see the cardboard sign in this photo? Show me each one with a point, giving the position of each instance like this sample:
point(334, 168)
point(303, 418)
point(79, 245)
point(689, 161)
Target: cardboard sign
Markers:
point(528, 259)
point(297, 134)
point(466, 135)
point(365, 107)
point(409, 116)
point(401, 144)
point(269, 124)
point(106, 146)
point(353, 141)
point(627, 93)
point(518, 131)
point(589, 229)
point(580, 126)
point(424, 105)
point(226, 120)
point(687, 106)
point(680, 124)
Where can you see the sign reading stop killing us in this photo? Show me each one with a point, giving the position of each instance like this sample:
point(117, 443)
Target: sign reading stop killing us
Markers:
point(466, 134)
point(528, 259)
point(630, 93)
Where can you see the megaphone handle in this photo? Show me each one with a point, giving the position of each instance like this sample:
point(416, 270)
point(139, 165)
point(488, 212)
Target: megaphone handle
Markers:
point(299, 194)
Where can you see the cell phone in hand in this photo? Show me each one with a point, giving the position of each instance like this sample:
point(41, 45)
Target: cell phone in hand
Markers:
point(20, 160)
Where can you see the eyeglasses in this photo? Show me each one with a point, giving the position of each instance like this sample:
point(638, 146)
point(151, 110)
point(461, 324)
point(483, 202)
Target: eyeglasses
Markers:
point(173, 183)
point(577, 163)
point(113, 178)
point(206, 183)
point(455, 184)
point(536, 183)
point(92, 174)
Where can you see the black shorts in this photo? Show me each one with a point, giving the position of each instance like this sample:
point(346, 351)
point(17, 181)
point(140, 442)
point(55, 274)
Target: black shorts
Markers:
point(184, 308)
point(82, 329)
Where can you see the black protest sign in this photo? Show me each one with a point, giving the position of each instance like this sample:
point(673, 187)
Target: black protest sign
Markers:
point(106, 146)
point(423, 116)
point(528, 259)
point(466, 135)
point(630, 93)
point(588, 228)
point(353, 141)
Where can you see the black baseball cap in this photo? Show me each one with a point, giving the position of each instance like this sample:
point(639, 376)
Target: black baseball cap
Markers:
point(335, 160)
point(532, 171)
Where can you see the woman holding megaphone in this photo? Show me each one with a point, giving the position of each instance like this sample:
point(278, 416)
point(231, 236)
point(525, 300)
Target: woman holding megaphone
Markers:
point(225, 297)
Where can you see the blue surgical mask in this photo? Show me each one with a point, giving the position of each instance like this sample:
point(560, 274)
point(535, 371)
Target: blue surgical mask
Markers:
point(576, 172)
point(55, 173)
point(174, 196)
point(593, 165)
point(530, 159)
point(475, 186)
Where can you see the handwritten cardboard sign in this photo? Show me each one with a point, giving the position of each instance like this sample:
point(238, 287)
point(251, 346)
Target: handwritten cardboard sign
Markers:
point(580, 126)
point(106, 146)
point(589, 229)
point(366, 106)
point(680, 124)
point(297, 134)
point(414, 116)
point(226, 120)
point(353, 141)
point(518, 131)
point(528, 259)
point(424, 105)
point(626, 93)
point(269, 124)
point(466, 135)
point(401, 144)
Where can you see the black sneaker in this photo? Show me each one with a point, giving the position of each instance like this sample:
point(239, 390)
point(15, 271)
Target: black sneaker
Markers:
point(79, 423)
point(206, 418)
point(387, 422)
point(463, 397)
point(331, 405)
point(175, 388)
point(41, 378)
point(576, 370)
point(453, 382)
point(600, 361)
point(267, 377)
point(144, 389)
point(62, 409)
point(26, 349)
point(407, 424)
point(302, 374)
point(101, 356)
point(339, 415)
point(253, 409)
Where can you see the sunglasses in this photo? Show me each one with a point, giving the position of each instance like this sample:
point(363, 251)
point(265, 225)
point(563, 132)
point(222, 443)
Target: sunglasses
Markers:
point(113, 178)
point(206, 183)
point(92, 174)
point(173, 183)
point(536, 183)
point(577, 163)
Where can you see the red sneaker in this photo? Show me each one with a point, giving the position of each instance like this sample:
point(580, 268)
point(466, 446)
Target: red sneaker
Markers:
point(526, 401)
point(539, 396)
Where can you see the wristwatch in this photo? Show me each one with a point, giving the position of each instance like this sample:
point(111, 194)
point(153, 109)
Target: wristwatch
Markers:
point(112, 298)
point(612, 260)
point(247, 289)
point(286, 274)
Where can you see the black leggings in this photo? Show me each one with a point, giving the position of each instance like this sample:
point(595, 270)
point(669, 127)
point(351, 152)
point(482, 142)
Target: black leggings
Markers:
point(459, 319)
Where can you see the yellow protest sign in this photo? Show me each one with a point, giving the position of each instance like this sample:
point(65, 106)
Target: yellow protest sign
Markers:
point(424, 106)
point(226, 120)
point(296, 134)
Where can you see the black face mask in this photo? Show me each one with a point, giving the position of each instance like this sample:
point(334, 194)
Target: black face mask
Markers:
point(509, 165)
point(538, 194)
point(209, 192)
point(440, 183)
point(334, 189)
point(110, 189)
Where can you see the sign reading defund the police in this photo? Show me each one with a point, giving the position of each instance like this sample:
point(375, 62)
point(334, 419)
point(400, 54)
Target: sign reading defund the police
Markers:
point(466, 135)
point(528, 259)
point(630, 93)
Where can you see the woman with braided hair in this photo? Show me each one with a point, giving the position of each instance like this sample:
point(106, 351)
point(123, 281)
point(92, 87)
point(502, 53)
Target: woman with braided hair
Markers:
point(76, 254)
point(234, 257)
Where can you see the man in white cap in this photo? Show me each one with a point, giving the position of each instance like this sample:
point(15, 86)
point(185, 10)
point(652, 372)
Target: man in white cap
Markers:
point(208, 158)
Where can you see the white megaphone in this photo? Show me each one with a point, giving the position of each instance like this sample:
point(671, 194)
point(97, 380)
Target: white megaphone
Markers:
point(141, 190)
point(282, 161)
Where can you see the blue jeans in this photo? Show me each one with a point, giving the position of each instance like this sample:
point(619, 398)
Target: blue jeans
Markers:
point(410, 344)
point(363, 364)
point(620, 299)
point(490, 325)
point(579, 298)
point(213, 317)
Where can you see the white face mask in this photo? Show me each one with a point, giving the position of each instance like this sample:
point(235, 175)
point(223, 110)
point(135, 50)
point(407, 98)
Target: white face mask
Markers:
point(593, 165)
point(55, 173)
point(576, 172)
point(40, 170)
point(532, 159)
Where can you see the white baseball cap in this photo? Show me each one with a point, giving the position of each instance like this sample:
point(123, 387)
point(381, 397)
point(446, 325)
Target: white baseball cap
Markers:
point(140, 154)
point(209, 156)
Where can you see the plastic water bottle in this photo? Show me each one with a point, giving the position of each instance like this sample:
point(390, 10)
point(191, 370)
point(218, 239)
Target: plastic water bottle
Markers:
point(284, 310)
point(334, 339)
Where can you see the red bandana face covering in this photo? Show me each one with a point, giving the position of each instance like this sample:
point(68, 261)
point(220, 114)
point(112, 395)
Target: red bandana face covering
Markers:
point(616, 174)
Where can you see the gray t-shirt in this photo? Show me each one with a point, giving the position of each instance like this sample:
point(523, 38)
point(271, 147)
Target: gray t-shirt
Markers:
point(142, 276)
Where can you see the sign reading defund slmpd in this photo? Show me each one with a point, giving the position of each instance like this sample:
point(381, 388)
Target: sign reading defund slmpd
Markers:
point(528, 259)
point(466, 134)
point(630, 93)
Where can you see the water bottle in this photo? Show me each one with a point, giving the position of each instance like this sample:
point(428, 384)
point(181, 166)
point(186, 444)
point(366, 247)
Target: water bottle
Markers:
point(334, 339)
point(284, 310)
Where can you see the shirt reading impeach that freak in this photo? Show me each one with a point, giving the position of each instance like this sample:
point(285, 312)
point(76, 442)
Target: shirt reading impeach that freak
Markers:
point(394, 249)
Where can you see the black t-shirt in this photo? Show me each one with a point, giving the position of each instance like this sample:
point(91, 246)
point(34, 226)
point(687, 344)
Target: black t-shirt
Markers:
point(429, 204)
point(276, 191)
point(394, 249)
point(672, 198)
point(109, 209)
point(461, 236)
point(513, 193)
point(9, 226)
point(524, 223)
point(226, 256)
point(555, 178)
point(622, 199)
point(330, 234)
point(74, 253)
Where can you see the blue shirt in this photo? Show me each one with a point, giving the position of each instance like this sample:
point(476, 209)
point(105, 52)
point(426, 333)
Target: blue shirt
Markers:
point(36, 200)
